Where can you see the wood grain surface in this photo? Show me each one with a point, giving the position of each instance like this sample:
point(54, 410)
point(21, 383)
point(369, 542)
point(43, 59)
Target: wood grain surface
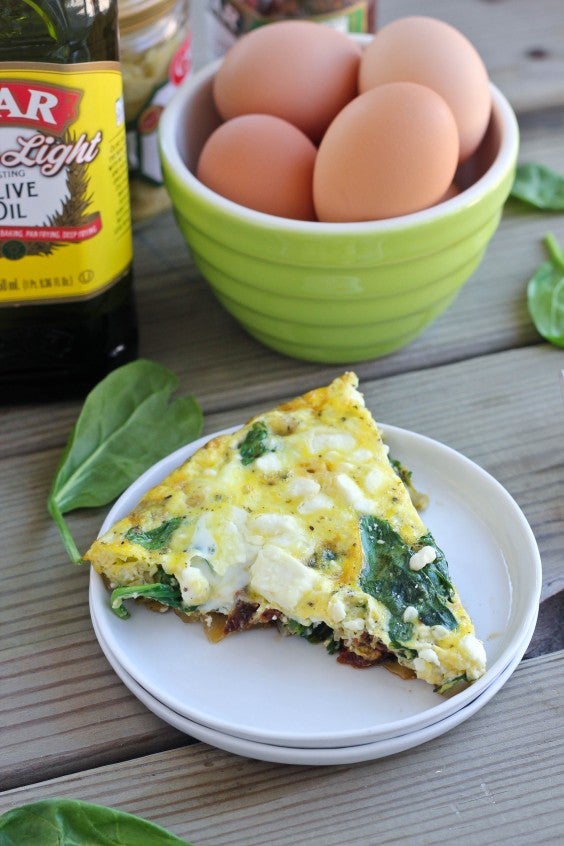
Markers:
point(480, 380)
point(455, 789)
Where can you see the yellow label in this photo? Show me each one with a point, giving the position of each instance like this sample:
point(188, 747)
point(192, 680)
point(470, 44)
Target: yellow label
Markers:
point(65, 229)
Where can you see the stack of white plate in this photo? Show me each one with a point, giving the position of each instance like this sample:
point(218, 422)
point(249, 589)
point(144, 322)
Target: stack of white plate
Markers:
point(281, 699)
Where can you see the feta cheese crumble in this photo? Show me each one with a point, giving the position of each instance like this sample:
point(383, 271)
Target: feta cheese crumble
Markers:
point(425, 555)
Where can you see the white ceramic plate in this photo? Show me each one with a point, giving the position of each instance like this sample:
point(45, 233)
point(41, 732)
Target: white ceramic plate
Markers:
point(311, 756)
point(283, 691)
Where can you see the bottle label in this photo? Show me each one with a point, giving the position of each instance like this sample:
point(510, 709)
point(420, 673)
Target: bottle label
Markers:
point(142, 129)
point(65, 228)
point(228, 19)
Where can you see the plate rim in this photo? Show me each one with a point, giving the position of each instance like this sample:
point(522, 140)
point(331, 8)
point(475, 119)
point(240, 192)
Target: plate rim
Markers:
point(359, 736)
point(314, 756)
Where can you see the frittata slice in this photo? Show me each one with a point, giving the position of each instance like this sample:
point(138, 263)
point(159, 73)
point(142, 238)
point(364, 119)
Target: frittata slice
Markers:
point(298, 519)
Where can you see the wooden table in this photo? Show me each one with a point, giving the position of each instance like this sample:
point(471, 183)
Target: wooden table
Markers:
point(480, 380)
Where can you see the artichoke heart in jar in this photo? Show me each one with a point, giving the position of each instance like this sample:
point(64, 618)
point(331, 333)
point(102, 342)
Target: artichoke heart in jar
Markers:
point(155, 53)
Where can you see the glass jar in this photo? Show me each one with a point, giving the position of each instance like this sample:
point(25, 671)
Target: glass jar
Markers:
point(67, 310)
point(155, 52)
point(228, 19)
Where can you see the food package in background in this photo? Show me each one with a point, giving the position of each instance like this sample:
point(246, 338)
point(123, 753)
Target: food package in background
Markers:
point(156, 55)
point(226, 20)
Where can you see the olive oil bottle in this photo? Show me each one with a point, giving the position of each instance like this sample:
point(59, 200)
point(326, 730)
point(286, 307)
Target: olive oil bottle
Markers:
point(67, 311)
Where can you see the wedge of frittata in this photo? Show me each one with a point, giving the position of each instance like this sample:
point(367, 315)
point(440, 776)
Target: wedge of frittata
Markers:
point(298, 519)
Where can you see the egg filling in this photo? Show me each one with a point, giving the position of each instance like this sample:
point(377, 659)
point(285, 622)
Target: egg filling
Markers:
point(301, 520)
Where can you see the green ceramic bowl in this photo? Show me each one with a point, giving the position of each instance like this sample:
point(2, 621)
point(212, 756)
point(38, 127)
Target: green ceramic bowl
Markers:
point(330, 292)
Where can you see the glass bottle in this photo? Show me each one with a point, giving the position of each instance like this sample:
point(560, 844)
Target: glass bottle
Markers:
point(155, 51)
point(228, 19)
point(67, 312)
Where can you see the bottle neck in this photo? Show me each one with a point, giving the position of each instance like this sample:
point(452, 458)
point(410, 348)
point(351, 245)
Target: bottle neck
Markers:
point(59, 31)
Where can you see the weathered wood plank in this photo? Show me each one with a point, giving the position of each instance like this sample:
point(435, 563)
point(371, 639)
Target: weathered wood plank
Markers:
point(59, 695)
point(522, 53)
point(463, 786)
point(184, 327)
point(478, 380)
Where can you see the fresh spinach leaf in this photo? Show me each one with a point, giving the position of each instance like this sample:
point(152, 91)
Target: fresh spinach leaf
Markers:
point(452, 685)
point(545, 294)
point(386, 575)
point(254, 443)
point(128, 421)
point(438, 573)
point(401, 470)
point(156, 538)
point(165, 589)
point(166, 594)
point(70, 822)
point(399, 631)
point(314, 633)
point(539, 186)
point(419, 500)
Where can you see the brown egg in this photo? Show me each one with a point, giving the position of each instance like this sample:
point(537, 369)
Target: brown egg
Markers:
point(433, 53)
point(262, 162)
point(452, 191)
point(301, 71)
point(393, 150)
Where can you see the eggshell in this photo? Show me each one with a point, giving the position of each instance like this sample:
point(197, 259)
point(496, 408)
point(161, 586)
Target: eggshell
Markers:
point(433, 53)
point(452, 191)
point(302, 71)
point(262, 162)
point(393, 150)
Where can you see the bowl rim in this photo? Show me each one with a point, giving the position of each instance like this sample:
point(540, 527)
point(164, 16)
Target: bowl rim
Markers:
point(170, 154)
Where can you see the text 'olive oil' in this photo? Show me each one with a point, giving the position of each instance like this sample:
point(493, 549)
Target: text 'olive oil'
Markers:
point(67, 314)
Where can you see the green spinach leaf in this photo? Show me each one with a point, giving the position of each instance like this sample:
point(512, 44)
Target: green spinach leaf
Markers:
point(156, 538)
point(166, 594)
point(254, 444)
point(128, 421)
point(539, 186)
point(452, 685)
point(314, 633)
point(165, 589)
point(399, 631)
point(387, 577)
point(545, 294)
point(70, 822)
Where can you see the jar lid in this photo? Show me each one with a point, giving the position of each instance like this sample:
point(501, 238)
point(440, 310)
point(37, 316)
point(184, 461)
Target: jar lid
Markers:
point(133, 14)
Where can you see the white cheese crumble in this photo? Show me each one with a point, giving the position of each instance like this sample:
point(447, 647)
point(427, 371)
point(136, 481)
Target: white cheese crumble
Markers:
point(223, 589)
point(284, 527)
point(203, 541)
point(323, 441)
point(300, 486)
point(194, 586)
point(429, 655)
point(353, 626)
point(425, 555)
point(281, 578)
point(474, 650)
point(361, 455)
point(410, 614)
point(230, 548)
point(269, 462)
point(315, 503)
point(354, 494)
point(336, 608)
point(374, 479)
point(426, 664)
